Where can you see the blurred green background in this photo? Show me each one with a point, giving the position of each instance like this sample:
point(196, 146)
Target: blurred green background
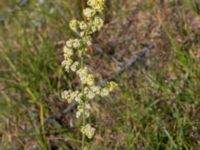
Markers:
point(158, 104)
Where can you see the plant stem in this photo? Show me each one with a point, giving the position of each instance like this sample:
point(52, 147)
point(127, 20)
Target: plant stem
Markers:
point(83, 118)
point(82, 88)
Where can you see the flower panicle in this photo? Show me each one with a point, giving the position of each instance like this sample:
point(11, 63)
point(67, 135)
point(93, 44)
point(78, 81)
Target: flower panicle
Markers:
point(73, 52)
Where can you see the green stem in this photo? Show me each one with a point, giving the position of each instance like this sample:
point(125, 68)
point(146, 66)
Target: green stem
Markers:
point(84, 121)
point(83, 118)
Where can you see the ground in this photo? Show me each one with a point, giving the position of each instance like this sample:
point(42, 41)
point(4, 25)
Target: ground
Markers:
point(157, 104)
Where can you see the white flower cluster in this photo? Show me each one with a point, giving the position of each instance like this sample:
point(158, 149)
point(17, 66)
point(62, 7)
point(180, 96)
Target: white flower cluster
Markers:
point(94, 22)
point(88, 130)
point(97, 5)
point(73, 51)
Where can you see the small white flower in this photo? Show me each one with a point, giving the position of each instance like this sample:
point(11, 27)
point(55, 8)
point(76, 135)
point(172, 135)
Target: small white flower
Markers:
point(67, 52)
point(89, 80)
point(73, 43)
point(65, 94)
point(76, 43)
point(88, 12)
point(91, 95)
point(87, 40)
point(98, 5)
point(69, 95)
point(95, 89)
point(112, 85)
point(79, 98)
point(104, 92)
point(73, 25)
point(67, 63)
point(83, 25)
point(96, 24)
point(69, 43)
point(88, 130)
point(74, 66)
point(83, 109)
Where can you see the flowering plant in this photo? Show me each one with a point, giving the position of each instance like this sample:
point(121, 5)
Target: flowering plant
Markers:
point(74, 51)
